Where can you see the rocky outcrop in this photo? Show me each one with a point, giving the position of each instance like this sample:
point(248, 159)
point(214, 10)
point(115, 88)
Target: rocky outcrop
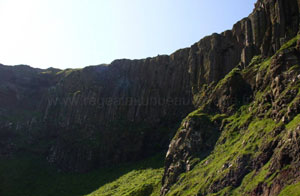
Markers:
point(284, 163)
point(176, 78)
point(270, 25)
point(121, 112)
point(107, 114)
point(263, 32)
point(242, 139)
point(273, 92)
point(195, 138)
point(21, 89)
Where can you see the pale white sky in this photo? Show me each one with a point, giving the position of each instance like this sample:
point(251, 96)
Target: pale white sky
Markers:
point(78, 33)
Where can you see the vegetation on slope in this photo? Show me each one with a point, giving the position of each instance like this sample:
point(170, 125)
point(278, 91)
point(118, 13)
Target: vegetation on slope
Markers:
point(138, 183)
point(234, 145)
point(28, 175)
point(239, 163)
point(253, 151)
point(291, 190)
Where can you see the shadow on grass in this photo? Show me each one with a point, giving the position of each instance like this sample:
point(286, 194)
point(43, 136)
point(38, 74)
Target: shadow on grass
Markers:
point(32, 176)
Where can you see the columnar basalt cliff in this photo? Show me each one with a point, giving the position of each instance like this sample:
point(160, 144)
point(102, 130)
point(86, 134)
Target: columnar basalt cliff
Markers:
point(253, 138)
point(238, 93)
point(272, 24)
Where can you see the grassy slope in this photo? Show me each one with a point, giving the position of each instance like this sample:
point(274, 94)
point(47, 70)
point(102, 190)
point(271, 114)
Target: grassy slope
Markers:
point(292, 190)
point(136, 183)
point(238, 143)
point(243, 136)
point(30, 176)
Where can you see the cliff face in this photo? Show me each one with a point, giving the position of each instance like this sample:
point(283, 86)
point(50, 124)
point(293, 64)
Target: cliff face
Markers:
point(267, 88)
point(120, 112)
point(248, 150)
point(271, 24)
point(21, 89)
point(101, 115)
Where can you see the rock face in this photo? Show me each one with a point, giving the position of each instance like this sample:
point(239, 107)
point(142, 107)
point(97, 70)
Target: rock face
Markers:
point(195, 138)
point(120, 112)
point(101, 115)
point(275, 89)
point(21, 89)
point(271, 24)
point(272, 90)
point(176, 79)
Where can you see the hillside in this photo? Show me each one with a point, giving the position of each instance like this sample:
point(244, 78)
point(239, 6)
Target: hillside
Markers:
point(228, 107)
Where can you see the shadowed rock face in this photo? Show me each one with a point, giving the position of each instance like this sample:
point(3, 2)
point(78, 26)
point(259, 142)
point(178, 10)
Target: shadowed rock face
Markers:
point(82, 119)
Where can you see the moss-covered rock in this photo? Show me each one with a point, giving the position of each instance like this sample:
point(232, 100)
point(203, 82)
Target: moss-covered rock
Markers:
point(257, 152)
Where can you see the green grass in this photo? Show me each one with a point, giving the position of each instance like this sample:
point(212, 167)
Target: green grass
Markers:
point(289, 44)
point(265, 64)
point(31, 176)
point(136, 183)
point(231, 74)
point(242, 137)
point(291, 190)
point(256, 60)
point(294, 123)
point(244, 134)
point(252, 179)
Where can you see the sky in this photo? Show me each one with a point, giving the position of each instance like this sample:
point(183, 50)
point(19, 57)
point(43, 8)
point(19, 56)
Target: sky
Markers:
point(79, 33)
